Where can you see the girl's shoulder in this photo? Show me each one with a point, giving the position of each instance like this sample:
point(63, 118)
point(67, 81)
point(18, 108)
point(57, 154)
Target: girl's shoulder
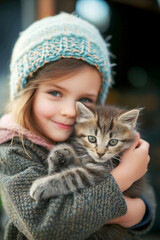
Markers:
point(22, 145)
point(22, 154)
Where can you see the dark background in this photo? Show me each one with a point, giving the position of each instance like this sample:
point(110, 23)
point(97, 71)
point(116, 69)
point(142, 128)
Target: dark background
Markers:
point(135, 44)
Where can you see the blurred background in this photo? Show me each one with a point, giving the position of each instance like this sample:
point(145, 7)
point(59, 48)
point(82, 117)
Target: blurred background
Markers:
point(131, 28)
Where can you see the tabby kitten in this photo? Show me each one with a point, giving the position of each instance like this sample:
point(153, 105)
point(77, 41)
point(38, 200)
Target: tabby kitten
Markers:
point(94, 149)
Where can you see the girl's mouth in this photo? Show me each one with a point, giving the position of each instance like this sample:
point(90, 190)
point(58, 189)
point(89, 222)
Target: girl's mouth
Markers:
point(63, 126)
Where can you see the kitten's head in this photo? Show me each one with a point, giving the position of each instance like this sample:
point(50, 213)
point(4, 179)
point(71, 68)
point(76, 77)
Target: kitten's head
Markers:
point(105, 132)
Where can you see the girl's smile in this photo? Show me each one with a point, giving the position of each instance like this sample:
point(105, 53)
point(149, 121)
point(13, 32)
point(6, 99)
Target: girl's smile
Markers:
point(63, 126)
point(54, 104)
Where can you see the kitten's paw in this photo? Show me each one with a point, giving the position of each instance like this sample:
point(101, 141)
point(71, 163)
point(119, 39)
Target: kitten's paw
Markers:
point(39, 190)
point(60, 157)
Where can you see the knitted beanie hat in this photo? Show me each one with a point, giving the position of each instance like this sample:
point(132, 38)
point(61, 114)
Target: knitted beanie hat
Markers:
point(62, 36)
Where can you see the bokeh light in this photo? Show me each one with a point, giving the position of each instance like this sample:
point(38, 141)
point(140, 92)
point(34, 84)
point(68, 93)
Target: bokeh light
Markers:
point(137, 76)
point(95, 11)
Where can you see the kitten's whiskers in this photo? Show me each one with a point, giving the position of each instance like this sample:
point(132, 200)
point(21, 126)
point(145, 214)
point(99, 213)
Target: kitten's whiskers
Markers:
point(116, 158)
point(111, 163)
point(83, 156)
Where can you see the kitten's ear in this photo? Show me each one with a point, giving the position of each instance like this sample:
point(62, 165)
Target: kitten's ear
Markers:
point(83, 113)
point(129, 118)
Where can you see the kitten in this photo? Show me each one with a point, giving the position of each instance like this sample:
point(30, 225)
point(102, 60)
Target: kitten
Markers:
point(99, 138)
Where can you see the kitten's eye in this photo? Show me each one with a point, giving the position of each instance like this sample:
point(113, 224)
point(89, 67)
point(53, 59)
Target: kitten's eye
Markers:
point(55, 93)
point(113, 142)
point(92, 139)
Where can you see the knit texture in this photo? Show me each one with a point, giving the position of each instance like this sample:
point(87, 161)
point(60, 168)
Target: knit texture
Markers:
point(61, 36)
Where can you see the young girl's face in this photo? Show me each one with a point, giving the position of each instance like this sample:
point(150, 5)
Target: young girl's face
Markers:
point(54, 105)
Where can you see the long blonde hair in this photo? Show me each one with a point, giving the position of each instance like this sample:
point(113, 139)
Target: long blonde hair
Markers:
point(21, 107)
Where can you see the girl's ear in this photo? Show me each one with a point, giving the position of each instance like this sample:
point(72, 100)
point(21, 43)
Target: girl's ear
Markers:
point(129, 118)
point(83, 113)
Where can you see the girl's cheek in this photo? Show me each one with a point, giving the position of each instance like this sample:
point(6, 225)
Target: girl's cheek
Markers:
point(41, 107)
point(47, 109)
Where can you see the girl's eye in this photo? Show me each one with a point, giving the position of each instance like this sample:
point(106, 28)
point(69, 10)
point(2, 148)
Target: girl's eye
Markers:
point(55, 93)
point(85, 100)
point(113, 142)
point(92, 139)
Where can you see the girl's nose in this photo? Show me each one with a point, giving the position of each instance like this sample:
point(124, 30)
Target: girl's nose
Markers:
point(69, 109)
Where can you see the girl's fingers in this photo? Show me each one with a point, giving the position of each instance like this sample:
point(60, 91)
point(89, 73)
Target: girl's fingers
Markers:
point(136, 141)
point(140, 143)
point(144, 145)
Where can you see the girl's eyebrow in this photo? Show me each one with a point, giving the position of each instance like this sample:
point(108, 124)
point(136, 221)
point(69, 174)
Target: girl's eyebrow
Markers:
point(90, 95)
point(55, 85)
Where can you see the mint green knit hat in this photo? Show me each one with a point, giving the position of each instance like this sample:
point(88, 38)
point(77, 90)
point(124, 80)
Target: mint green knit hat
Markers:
point(62, 36)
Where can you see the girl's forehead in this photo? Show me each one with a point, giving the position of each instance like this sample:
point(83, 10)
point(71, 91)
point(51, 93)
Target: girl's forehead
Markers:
point(87, 78)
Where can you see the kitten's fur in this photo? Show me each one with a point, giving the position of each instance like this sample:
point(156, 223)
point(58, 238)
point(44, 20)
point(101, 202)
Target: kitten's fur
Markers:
point(98, 141)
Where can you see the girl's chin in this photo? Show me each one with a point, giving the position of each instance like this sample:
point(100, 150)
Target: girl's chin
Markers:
point(60, 138)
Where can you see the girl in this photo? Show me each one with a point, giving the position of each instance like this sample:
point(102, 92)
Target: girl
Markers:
point(57, 61)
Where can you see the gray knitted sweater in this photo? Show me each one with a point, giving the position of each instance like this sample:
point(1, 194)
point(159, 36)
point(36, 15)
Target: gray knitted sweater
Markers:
point(72, 217)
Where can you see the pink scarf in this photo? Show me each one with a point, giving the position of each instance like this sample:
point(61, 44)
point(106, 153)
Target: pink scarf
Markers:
point(9, 128)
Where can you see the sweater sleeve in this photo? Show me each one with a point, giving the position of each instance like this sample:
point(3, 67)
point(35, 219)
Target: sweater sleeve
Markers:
point(147, 222)
point(72, 217)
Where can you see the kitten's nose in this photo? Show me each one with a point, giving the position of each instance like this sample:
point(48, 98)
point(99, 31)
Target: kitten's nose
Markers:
point(100, 154)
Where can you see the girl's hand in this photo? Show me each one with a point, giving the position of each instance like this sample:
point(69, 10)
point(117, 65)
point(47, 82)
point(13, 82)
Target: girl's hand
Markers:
point(136, 210)
point(133, 165)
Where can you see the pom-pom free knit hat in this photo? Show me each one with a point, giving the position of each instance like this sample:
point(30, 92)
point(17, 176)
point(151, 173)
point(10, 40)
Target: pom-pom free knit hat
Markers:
point(62, 36)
